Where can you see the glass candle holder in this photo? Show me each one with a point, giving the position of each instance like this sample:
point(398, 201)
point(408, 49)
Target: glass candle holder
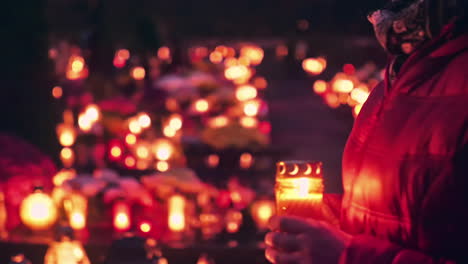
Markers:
point(299, 189)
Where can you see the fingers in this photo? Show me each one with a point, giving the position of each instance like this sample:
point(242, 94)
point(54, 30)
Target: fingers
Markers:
point(292, 225)
point(278, 257)
point(283, 241)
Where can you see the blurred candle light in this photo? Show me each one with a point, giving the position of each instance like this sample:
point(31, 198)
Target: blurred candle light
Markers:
point(202, 105)
point(163, 149)
point(123, 54)
point(237, 72)
point(121, 216)
point(145, 227)
point(138, 73)
point(219, 121)
point(233, 220)
point(299, 189)
point(246, 160)
point(164, 53)
point(78, 211)
point(176, 207)
point(343, 86)
point(313, 66)
point(134, 126)
point(246, 92)
point(216, 57)
point(116, 152)
point(248, 122)
point(169, 132)
point(63, 175)
point(92, 112)
point(67, 156)
point(251, 108)
point(84, 122)
point(223, 50)
point(144, 120)
point(212, 160)
point(162, 166)
point(230, 62)
point(142, 152)
point(244, 61)
point(130, 162)
point(360, 94)
point(261, 212)
point(281, 51)
point(38, 211)
point(66, 134)
point(332, 100)
point(130, 139)
point(254, 53)
point(57, 92)
point(260, 82)
point(175, 122)
point(320, 86)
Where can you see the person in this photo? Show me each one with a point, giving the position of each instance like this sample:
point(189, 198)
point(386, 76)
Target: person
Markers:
point(405, 165)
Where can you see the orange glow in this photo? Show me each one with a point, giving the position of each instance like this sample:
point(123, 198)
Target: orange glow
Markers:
point(142, 152)
point(138, 73)
point(77, 220)
point(130, 162)
point(237, 72)
point(163, 150)
point(62, 176)
point(332, 100)
point(134, 126)
point(246, 160)
point(176, 207)
point(202, 105)
point(219, 121)
point(360, 95)
point(282, 51)
point(262, 211)
point(144, 120)
point(67, 135)
point(246, 92)
point(84, 122)
point(357, 110)
point(145, 227)
point(164, 53)
point(123, 54)
point(172, 104)
point(231, 52)
point(313, 66)
point(212, 161)
point(38, 211)
point(260, 82)
point(251, 108)
point(92, 112)
point(244, 61)
point(67, 157)
point(162, 166)
point(255, 54)
point(233, 221)
point(223, 50)
point(121, 216)
point(320, 86)
point(68, 117)
point(249, 122)
point(57, 92)
point(77, 64)
point(230, 62)
point(116, 152)
point(175, 122)
point(169, 132)
point(130, 139)
point(216, 57)
point(343, 86)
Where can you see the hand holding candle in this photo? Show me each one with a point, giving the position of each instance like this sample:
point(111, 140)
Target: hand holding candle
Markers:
point(299, 189)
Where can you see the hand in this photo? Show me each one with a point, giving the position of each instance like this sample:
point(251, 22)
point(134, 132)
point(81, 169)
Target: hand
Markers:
point(297, 241)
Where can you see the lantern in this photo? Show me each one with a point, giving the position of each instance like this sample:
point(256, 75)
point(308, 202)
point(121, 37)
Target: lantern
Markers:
point(261, 212)
point(38, 211)
point(121, 216)
point(176, 208)
point(299, 189)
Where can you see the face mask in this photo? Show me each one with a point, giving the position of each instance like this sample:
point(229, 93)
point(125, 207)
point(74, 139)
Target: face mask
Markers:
point(400, 27)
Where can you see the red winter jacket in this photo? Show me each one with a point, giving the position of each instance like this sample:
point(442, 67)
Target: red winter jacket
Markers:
point(405, 166)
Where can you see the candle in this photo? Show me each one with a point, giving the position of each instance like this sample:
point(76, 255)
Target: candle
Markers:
point(38, 211)
point(299, 189)
point(176, 219)
point(77, 214)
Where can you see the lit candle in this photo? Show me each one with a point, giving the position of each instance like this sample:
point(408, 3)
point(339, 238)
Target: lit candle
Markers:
point(176, 207)
point(299, 189)
point(77, 214)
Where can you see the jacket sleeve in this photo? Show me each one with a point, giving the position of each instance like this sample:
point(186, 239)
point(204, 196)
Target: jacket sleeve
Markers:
point(370, 250)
